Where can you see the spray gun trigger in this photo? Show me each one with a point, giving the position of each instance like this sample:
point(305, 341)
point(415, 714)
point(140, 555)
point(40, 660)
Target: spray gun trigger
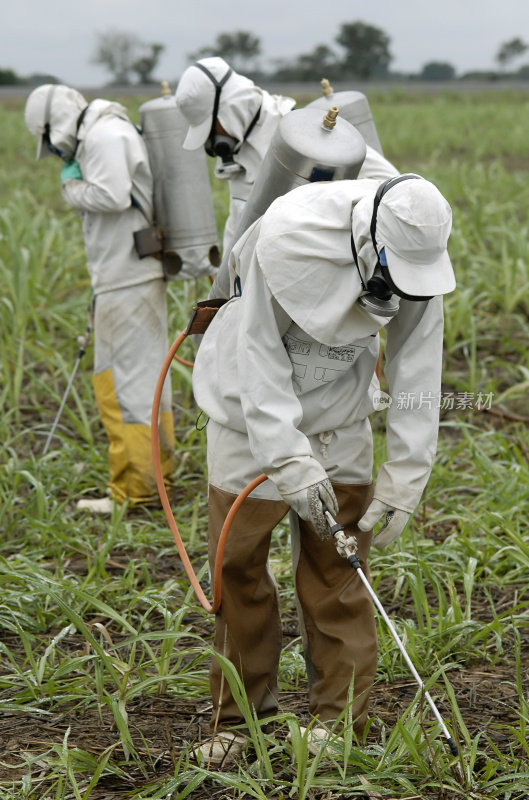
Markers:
point(334, 526)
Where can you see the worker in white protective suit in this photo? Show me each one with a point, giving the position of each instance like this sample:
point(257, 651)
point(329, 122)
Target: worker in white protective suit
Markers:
point(286, 374)
point(234, 120)
point(107, 178)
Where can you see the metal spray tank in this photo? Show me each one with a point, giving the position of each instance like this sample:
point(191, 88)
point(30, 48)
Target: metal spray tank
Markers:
point(353, 107)
point(183, 205)
point(307, 146)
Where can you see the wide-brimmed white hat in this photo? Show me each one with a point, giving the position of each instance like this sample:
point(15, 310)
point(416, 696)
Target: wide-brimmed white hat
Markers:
point(59, 107)
point(413, 224)
point(195, 97)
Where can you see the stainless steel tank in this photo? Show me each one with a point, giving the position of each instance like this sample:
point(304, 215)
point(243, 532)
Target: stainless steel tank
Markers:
point(307, 146)
point(183, 204)
point(354, 107)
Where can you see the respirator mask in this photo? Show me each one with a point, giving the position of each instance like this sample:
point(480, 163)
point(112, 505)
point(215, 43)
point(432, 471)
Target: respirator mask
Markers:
point(223, 147)
point(382, 295)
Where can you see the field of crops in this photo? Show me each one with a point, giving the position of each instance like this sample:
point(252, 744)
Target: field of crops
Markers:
point(104, 649)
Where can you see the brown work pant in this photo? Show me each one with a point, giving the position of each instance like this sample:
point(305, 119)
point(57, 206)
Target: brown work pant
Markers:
point(336, 612)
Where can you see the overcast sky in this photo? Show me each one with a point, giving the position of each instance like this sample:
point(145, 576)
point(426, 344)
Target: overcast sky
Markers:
point(58, 36)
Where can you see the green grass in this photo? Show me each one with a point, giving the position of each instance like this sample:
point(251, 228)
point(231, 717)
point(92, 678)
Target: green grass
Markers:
point(104, 650)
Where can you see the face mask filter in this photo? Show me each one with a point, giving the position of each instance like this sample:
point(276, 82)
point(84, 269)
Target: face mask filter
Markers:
point(379, 298)
point(220, 145)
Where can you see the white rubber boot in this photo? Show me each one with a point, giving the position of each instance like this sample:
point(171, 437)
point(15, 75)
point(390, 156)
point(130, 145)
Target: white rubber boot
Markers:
point(222, 749)
point(96, 505)
point(319, 738)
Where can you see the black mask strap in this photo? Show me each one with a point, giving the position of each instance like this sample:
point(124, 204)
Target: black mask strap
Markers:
point(80, 119)
point(381, 191)
point(47, 118)
point(218, 88)
point(355, 256)
point(251, 126)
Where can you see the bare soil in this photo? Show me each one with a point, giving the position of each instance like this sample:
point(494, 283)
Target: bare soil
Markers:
point(162, 726)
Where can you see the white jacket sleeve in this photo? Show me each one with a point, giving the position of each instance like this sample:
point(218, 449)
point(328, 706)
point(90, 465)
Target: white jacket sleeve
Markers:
point(413, 368)
point(107, 182)
point(270, 406)
point(376, 166)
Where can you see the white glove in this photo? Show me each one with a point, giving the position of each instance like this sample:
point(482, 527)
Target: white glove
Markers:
point(308, 504)
point(394, 524)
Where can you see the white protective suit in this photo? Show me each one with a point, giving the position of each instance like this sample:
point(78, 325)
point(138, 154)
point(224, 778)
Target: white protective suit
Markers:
point(286, 374)
point(240, 100)
point(291, 364)
point(130, 317)
point(251, 155)
point(376, 166)
point(115, 169)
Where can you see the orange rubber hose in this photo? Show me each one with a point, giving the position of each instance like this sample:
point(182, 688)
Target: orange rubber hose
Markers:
point(378, 368)
point(211, 608)
point(184, 361)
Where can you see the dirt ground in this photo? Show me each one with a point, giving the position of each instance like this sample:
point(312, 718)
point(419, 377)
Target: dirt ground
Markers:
point(163, 726)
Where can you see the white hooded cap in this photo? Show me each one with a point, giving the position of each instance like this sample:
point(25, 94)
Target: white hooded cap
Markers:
point(195, 97)
point(414, 221)
point(60, 107)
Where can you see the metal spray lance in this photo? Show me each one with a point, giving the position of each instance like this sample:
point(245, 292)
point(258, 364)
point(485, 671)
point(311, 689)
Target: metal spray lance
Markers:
point(347, 547)
point(83, 342)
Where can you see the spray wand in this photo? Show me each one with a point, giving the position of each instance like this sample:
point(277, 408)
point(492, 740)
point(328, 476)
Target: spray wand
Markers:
point(347, 547)
point(83, 342)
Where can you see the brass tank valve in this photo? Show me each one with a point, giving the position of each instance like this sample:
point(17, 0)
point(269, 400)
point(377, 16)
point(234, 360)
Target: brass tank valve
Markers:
point(329, 120)
point(166, 89)
point(326, 86)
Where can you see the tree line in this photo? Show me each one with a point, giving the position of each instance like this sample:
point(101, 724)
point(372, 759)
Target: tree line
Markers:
point(363, 52)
